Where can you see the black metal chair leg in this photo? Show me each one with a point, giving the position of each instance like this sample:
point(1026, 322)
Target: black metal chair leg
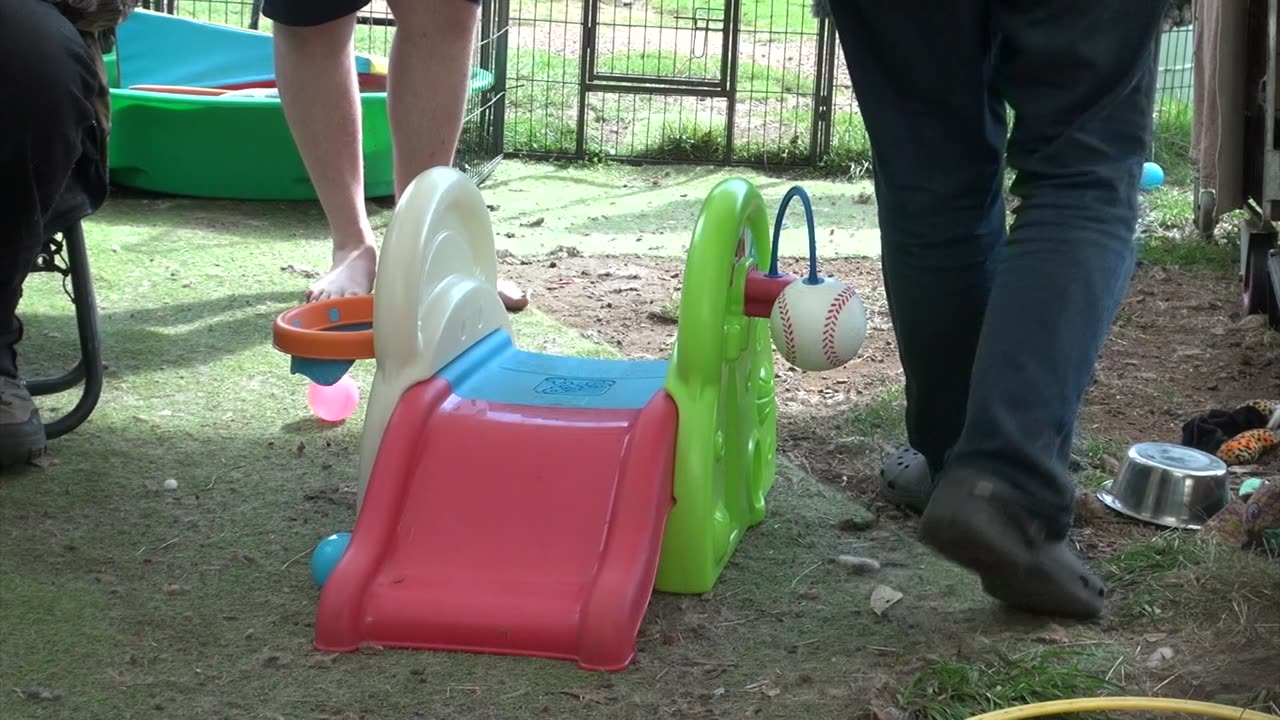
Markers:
point(88, 369)
point(1273, 265)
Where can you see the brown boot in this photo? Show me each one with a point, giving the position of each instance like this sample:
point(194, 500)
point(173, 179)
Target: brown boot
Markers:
point(21, 432)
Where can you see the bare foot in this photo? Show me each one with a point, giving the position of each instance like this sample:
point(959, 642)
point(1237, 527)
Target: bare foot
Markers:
point(352, 274)
point(514, 298)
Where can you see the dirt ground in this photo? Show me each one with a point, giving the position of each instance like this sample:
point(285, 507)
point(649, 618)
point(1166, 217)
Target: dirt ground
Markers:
point(1178, 348)
point(121, 599)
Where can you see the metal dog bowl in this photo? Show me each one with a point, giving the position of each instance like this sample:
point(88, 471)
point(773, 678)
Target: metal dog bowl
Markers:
point(1170, 485)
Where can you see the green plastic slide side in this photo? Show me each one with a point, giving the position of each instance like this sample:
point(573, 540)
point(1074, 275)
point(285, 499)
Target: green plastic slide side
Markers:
point(112, 65)
point(721, 378)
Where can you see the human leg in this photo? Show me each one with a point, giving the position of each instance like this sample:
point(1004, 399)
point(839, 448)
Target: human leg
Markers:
point(924, 82)
point(1079, 77)
point(428, 80)
point(46, 130)
point(316, 74)
point(428, 85)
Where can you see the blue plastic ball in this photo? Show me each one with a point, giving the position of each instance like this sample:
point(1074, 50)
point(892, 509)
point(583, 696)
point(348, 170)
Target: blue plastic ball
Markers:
point(326, 556)
point(1152, 176)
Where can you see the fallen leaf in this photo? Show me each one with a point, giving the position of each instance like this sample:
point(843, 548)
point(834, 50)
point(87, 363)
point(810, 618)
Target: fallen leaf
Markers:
point(1161, 656)
point(883, 597)
point(40, 693)
point(174, 589)
point(1155, 637)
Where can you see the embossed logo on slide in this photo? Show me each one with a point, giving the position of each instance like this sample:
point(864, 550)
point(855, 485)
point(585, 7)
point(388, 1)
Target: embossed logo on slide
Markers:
point(572, 386)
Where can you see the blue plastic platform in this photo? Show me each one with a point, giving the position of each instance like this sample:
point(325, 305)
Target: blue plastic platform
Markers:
point(211, 54)
point(495, 370)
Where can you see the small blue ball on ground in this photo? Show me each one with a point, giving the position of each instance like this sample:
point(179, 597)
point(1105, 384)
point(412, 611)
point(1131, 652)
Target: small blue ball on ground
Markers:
point(1152, 176)
point(326, 556)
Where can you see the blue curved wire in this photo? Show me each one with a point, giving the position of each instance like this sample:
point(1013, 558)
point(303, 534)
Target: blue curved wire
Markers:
point(794, 192)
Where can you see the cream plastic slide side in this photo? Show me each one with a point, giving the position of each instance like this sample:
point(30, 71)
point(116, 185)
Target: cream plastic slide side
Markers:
point(435, 294)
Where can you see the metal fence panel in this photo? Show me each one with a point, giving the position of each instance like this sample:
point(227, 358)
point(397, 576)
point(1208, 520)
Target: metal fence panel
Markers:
point(719, 81)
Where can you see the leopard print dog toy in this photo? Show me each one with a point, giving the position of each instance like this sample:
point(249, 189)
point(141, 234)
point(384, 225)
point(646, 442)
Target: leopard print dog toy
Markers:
point(1249, 446)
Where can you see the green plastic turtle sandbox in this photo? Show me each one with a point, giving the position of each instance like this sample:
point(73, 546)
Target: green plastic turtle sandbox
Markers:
point(194, 113)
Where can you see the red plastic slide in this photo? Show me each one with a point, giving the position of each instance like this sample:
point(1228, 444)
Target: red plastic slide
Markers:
point(506, 528)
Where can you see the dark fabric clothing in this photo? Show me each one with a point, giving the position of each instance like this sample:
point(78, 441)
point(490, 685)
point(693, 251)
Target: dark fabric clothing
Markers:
point(998, 331)
point(309, 13)
point(53, 140)
point(1209, 431)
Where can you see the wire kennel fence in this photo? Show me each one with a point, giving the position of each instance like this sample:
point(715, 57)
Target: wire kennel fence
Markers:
point(756, 82)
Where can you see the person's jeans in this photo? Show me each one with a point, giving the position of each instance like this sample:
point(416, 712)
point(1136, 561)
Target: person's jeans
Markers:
point(51, 169)
point(998, 332)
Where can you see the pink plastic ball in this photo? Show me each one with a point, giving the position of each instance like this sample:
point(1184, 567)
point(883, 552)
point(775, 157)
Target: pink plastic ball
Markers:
point(336, 402)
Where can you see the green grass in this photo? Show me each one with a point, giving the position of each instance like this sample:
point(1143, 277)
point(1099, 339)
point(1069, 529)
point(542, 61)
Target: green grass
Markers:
point(778, 16)
point(130, 601)
point(1183, 578)
point(1164, 554)
point(882, 417)
point(850, 146)
point(698, 137)
point(1097, 452)
point(1187, 254)
point(753, 78)
point(956, 688)
point(133, 602)
point(541, 103)
point(1169, 210)
point(1169, 237)
point(685, 141)
point(543, 98)
point(1172, 144)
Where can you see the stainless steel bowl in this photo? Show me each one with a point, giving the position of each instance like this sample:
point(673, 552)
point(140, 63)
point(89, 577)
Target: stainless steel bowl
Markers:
point(1170, 485)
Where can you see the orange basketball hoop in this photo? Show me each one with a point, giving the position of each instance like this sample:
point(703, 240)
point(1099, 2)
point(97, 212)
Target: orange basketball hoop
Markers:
point(338, 329)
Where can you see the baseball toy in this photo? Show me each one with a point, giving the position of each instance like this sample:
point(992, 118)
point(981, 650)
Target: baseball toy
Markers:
point(817, 323)
point(820, 326)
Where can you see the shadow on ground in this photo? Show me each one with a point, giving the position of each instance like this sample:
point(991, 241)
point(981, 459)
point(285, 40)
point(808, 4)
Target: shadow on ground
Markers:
point(132, 601)
point(177, 335)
